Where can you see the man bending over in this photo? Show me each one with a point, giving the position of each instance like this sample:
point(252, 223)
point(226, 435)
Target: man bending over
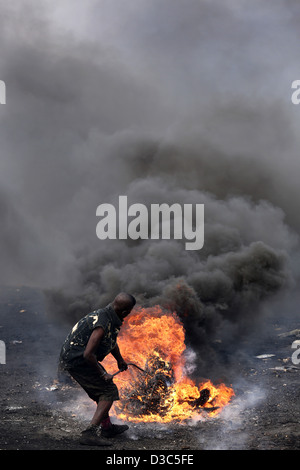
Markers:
point(87, 344)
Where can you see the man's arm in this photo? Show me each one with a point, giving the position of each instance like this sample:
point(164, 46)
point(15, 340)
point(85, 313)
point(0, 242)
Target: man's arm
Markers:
point(118, 356)
point(90, 352)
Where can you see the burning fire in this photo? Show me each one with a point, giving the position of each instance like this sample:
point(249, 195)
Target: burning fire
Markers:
point(154, 339)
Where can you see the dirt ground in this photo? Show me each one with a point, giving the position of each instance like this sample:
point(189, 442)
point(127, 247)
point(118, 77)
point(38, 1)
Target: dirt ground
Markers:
point(38, 414)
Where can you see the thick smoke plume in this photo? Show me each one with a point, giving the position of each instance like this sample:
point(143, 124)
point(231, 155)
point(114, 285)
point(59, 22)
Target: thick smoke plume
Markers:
point(172, 101)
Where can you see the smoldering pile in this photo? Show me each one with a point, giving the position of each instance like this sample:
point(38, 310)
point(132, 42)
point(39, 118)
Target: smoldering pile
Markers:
point(150, 392)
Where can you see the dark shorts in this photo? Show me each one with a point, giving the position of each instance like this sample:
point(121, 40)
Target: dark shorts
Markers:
point(97, 389)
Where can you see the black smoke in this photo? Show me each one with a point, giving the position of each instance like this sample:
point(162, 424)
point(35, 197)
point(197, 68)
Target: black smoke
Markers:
point(172, 101)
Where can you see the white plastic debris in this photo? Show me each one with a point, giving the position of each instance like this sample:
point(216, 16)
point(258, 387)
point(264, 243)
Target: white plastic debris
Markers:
point(265, 356)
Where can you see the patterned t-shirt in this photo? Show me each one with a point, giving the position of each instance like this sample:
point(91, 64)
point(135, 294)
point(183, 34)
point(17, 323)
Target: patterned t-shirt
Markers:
point(73, 348)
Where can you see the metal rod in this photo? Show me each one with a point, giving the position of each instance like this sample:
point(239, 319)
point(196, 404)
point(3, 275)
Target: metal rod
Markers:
point(130, 364)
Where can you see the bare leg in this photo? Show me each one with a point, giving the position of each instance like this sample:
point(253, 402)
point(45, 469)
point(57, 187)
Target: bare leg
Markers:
point(101, 412)
point(89, 436)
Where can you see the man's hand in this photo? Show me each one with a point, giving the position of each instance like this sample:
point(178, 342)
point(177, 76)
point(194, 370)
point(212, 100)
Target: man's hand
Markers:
point(122, 365)
point(107, 377)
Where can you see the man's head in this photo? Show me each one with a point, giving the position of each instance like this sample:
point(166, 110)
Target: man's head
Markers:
point(123, 303)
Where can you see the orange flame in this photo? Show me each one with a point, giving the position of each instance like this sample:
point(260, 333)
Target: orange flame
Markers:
point(159, 334)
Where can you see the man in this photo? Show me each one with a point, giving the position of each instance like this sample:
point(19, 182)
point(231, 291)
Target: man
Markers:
point(90, 340)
